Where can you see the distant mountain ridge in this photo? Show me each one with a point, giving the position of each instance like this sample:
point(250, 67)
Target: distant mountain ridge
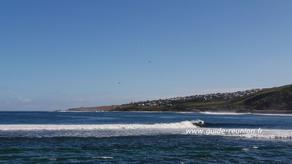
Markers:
point(268, 100)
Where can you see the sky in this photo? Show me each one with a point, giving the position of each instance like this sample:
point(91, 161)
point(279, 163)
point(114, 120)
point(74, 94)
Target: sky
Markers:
point(57, 54)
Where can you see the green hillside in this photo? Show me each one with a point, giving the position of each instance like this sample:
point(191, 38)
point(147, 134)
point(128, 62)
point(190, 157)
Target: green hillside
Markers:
point(269, 100)
point(279, 98)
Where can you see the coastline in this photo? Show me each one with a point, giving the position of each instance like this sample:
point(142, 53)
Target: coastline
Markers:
point(264, 113)
point(276, 100)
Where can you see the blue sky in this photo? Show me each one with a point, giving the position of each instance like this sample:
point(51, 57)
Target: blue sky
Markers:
point(56, 54)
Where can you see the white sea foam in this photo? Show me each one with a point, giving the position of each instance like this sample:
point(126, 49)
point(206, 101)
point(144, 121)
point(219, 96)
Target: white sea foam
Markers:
point(103, 157)
point(245, 133)
point(223, 113)
point(272, 114)
point(109, 130)
point(235, 113)
point(32, 127)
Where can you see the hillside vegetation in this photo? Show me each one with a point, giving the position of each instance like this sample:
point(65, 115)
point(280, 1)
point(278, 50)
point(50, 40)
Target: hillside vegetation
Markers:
point(269, 100)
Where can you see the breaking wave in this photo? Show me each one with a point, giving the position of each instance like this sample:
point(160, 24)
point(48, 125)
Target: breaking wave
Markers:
point(93, 130)
point(223, 113)
point(112, 130)
point(243, 132)
point(34, 127)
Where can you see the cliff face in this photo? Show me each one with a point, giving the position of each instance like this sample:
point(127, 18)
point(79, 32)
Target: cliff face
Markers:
point(271, 100)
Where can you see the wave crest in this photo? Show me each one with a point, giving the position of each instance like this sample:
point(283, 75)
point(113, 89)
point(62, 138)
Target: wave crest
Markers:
point(32, 127)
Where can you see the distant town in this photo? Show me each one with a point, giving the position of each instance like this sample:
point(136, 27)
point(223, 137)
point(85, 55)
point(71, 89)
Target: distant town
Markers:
point(196, 98)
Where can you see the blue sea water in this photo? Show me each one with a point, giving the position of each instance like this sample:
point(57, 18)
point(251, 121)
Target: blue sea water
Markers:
point(144, 145)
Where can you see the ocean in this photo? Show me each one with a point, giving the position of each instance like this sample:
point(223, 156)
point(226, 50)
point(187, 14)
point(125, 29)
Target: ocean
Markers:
point(143, 137)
